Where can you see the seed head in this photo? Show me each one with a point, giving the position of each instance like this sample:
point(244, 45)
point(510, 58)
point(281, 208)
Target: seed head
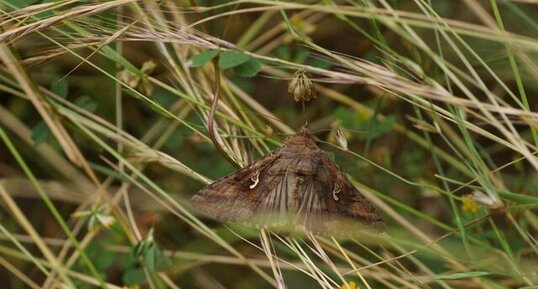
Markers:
point(301, 87)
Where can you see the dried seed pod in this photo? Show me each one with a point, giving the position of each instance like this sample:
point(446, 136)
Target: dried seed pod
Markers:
point(486, 200)
point(137, 81)
point(301, 87)
point(341, 138)
point(268, 131)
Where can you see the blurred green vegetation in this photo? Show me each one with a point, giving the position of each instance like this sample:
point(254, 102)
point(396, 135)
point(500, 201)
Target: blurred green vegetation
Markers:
point(107, 106)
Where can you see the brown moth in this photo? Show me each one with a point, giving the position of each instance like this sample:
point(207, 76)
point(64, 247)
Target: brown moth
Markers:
point(295, 186)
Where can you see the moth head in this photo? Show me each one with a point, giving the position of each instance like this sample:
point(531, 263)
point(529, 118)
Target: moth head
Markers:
point(305, 132)
point(303, 139)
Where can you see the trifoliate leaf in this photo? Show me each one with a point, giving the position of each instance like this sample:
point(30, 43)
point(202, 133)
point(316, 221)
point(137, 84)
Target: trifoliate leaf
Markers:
point(231, 59)
point(249, 68)
point(202, 58)
point(40, 132)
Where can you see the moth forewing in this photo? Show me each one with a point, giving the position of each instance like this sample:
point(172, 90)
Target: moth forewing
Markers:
point(234, 198)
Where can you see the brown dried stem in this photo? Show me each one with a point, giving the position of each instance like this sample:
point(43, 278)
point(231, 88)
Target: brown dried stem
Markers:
point(211, 119)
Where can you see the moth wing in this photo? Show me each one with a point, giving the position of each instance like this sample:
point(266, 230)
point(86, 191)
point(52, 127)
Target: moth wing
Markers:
point(285, 188)
point(258, 194)
point(332, 205)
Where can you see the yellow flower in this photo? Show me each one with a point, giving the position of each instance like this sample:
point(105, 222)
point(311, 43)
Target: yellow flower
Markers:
point(468, 203)
point(349, 285)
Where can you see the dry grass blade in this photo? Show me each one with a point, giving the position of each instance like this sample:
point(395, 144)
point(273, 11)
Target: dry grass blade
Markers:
point(436, 119)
